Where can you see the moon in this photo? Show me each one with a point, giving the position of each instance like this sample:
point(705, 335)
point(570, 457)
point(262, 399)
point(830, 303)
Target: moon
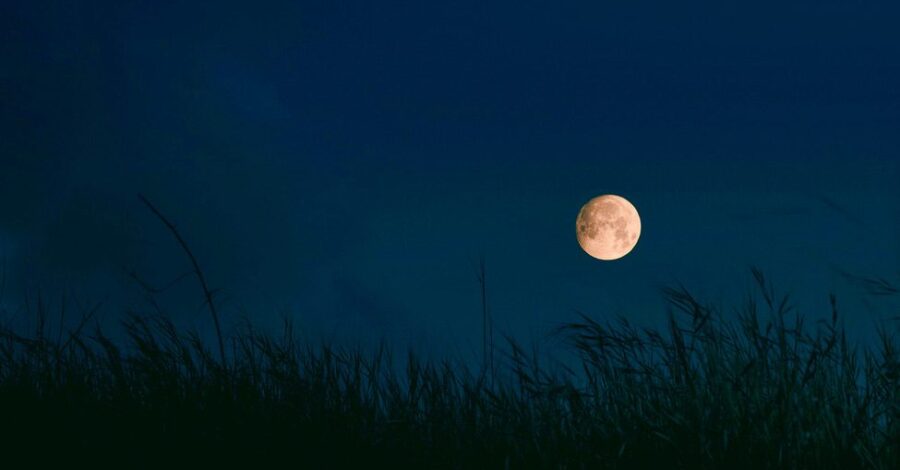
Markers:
point(608, 227)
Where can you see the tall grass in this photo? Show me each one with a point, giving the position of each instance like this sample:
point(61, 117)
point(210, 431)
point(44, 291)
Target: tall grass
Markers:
point(759, 388)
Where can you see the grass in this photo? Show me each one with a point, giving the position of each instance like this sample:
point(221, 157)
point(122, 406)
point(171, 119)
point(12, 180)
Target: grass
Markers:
point(759, 389)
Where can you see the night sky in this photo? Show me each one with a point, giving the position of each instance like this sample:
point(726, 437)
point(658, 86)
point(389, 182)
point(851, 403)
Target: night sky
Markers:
point(346, 163)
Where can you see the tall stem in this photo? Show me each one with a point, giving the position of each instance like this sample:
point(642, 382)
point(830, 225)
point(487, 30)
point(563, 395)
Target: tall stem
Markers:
point(197, 271)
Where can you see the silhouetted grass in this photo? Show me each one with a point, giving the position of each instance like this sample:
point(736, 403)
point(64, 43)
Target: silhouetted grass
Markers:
point(759, 388)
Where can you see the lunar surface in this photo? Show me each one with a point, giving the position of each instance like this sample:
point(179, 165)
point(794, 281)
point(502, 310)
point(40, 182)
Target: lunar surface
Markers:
point(608, 227)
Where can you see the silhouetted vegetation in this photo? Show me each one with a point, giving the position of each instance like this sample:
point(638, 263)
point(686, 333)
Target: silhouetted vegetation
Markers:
point(757, 389)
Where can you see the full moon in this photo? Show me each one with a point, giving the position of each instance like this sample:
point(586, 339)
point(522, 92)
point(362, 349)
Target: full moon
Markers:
point(608, 227)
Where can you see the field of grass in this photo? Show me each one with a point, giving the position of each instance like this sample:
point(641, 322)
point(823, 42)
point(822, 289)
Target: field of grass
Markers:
point(759, 388)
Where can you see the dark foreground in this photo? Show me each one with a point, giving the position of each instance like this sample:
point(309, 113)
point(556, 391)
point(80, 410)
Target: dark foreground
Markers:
point(763, 391)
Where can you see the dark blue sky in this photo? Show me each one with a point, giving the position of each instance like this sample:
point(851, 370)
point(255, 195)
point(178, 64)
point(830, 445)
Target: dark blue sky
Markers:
point(346, 162)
